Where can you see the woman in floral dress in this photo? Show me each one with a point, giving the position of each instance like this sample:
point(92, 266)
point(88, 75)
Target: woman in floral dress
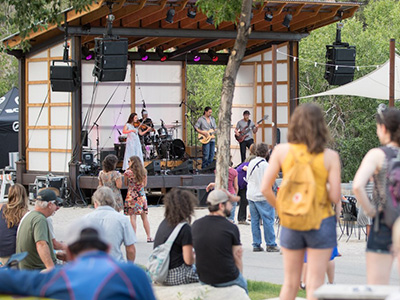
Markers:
point(113, 179)
point(135, 177)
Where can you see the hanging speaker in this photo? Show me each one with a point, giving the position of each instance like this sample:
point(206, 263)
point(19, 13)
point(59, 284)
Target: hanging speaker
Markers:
point(64, 78)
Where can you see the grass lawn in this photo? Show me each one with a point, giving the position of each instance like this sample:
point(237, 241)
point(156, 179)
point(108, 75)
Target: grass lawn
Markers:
point(259, 290)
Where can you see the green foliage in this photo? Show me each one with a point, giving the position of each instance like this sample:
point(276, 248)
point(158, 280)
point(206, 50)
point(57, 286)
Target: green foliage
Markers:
point(204, 85)
point(259, 290)
point(351, 119)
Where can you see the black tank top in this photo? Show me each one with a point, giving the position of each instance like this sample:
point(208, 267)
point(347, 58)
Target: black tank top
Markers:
point(8, 236)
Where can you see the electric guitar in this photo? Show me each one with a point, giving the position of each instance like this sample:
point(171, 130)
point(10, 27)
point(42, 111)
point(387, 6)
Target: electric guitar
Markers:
point(205, 140)
point(244, 132)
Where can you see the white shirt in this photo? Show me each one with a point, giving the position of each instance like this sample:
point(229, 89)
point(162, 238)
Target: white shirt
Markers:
point(254, 177)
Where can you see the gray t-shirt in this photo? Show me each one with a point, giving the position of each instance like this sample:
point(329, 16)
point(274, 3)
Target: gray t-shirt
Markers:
point(242, 124)
point(117, 229)
point(202, 124)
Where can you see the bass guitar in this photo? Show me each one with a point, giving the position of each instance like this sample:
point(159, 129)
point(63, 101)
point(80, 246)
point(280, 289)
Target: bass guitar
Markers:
point(205, 140)
point(244, 132)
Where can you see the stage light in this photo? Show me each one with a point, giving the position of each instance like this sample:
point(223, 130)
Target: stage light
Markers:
point(196, 56)
point(286, 20)
point(86, 53)
point(191, 13)
point(210, 20)
point(213, 55)
point(170, 15)
point(268, 16)
point(143, 54)
point(160, 52)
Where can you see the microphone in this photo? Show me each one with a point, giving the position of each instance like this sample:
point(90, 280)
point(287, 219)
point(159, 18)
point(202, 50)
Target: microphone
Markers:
point(183, 101)
point(144, 103)
point(119, 132)
point(162, 123)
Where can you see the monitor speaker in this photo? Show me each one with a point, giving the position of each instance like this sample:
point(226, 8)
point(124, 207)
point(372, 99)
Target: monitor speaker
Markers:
point(209, 169)
point(154, 168)
point(85, 138)
point(64, 78)
point(104, 153)
point(185, 168)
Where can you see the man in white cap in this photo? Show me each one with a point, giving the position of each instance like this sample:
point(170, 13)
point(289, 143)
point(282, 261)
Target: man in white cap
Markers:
point(217, 244)
point(93, 274)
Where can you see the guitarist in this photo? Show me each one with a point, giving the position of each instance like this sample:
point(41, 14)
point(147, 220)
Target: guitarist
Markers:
point(242, 126)
point(204, 125)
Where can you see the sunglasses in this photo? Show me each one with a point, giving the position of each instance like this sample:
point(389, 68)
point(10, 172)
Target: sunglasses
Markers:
point(381, 108)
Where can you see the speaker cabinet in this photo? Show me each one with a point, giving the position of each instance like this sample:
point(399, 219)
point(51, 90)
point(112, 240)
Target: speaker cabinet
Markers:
point(200, 193)
point(111, 58)
point(185, 168)
point(209, 169)
point(154, 168)
point(64, 78)
point(340, 64)
point(104, 153)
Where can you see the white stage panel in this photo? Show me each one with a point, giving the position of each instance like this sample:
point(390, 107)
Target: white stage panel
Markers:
point(60, 139)
point(38, 138)
point(59, 161)
point(243, 95)
point(282, 114)
point(33, 115)
point(37, 70)
point(38, 161)
point(245, 75)
point(41, 54)
point(284, 132)
point(37, 93)
point(283, 49)
point(60, 97)
point(60, 116)
point(268, 135)
point(251, 59)
point(158, 72)
point(163, 95)
point(58, 50)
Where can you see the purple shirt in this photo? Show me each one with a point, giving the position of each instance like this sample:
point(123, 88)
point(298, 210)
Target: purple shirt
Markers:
point(241, 175)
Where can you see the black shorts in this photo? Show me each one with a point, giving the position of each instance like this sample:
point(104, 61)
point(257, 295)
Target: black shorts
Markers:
point(380, 241)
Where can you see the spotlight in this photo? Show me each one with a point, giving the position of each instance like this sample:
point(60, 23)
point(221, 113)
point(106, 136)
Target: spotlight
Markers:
point(191, 13)
point(213, 55)
point(170, 15)
point(143, 54)
point(196, 56)
point(268, 16)
point(160, 52)
point(86, 53)
point(286, 20)
point(210, 20)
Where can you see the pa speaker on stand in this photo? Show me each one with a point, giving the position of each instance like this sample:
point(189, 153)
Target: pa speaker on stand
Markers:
point(64, 78)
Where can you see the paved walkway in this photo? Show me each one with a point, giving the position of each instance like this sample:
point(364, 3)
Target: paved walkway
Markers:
point(262, 266)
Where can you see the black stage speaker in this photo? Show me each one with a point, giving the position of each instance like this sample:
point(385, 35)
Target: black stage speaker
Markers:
point(200, 193)
point(104, 153)
point(153, 168)
point(111, 58)
point(85, 138)
point(340, 63)
point(185, 168)
point(209, 169)
point(64, 78)
point(120, 150)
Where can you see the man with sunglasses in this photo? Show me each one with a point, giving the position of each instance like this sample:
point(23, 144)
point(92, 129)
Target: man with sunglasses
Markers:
point(33, 235)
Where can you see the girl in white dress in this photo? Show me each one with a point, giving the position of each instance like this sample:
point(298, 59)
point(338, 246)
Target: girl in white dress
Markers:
point(133, 145)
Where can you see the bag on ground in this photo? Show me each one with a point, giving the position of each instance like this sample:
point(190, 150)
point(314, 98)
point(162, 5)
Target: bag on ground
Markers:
point(158, 262)
point(296, 205)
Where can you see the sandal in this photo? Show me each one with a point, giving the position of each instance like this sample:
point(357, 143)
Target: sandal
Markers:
point(150, 240)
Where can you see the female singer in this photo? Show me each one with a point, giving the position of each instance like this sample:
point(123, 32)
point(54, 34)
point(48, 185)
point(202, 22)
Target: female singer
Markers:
point(133, 145)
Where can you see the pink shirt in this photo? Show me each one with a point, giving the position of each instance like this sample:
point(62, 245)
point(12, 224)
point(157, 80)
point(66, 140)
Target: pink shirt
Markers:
point(232, 174)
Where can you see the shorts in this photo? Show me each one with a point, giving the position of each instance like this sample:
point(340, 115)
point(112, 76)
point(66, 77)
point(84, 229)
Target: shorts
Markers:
point(323, 238)
point(379, 241)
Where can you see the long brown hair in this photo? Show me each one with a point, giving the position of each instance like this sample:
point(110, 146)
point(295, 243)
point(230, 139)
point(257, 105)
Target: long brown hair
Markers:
point(179, 206)
point(136, 166)
point(390, 117)
point(307, 126)
point(17, 205)
point(131, 117)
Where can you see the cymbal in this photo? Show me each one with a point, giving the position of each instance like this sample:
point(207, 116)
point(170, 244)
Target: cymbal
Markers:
point(172, 126)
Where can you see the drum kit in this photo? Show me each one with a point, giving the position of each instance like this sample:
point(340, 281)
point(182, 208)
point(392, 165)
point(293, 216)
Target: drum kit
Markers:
point(163, 143)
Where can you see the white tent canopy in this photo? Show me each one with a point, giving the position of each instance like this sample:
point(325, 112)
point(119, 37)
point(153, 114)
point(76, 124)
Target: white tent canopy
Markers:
point(373, 85)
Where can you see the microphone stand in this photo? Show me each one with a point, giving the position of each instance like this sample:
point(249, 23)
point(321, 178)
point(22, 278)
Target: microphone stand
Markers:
point(97, 143)
point(193, 112)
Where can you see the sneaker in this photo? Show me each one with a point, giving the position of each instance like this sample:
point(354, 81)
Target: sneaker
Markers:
point(273, 249)
point(302, 286)
point(244, 223)
point(258, 249)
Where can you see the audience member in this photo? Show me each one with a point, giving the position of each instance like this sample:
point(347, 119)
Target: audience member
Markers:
point(307, 145)
point(136, 202)
point(11, 214)
point(217, 244)
point(242, 184)
point(179, 207)
point(33, 234)
point(111, 178)
point(379, 256)
point(260, 209)
point(93, 274)
point(116, 227)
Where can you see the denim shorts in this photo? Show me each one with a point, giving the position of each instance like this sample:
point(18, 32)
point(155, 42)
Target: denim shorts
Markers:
point(323, 238)
point(379, 241)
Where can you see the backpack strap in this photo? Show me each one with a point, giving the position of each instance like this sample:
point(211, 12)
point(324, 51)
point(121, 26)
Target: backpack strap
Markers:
point(256, 166)
point(172, 237)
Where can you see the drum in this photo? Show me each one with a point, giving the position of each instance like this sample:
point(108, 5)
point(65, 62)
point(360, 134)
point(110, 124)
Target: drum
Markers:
point(162, 132)
point(147, 139)
point(171, 149)
point(164, 150)
point(178, 148)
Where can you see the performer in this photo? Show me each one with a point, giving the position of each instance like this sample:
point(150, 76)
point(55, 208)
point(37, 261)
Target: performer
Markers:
point(133, 145)
point(204, 125)
point(146, 123)
point(248, 127)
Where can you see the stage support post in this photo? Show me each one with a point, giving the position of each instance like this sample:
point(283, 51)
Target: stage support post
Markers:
point(274, 93)
point(76, 108)
point(391, 71)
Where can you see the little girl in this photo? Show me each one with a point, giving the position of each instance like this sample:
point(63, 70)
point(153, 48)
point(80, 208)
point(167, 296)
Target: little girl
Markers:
point(111, 178)
point(136, 202)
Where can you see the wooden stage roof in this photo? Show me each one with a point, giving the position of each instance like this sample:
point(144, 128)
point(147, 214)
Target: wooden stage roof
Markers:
point(143, 23)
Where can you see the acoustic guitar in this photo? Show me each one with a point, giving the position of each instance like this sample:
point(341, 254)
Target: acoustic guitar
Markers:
point(205, 140)
point(244, 132)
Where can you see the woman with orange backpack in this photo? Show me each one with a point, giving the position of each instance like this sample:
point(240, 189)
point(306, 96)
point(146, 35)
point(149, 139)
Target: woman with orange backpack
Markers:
point(311, 183)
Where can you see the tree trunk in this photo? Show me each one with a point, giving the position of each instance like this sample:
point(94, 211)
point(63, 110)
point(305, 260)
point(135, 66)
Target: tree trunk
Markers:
point(228, 88)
